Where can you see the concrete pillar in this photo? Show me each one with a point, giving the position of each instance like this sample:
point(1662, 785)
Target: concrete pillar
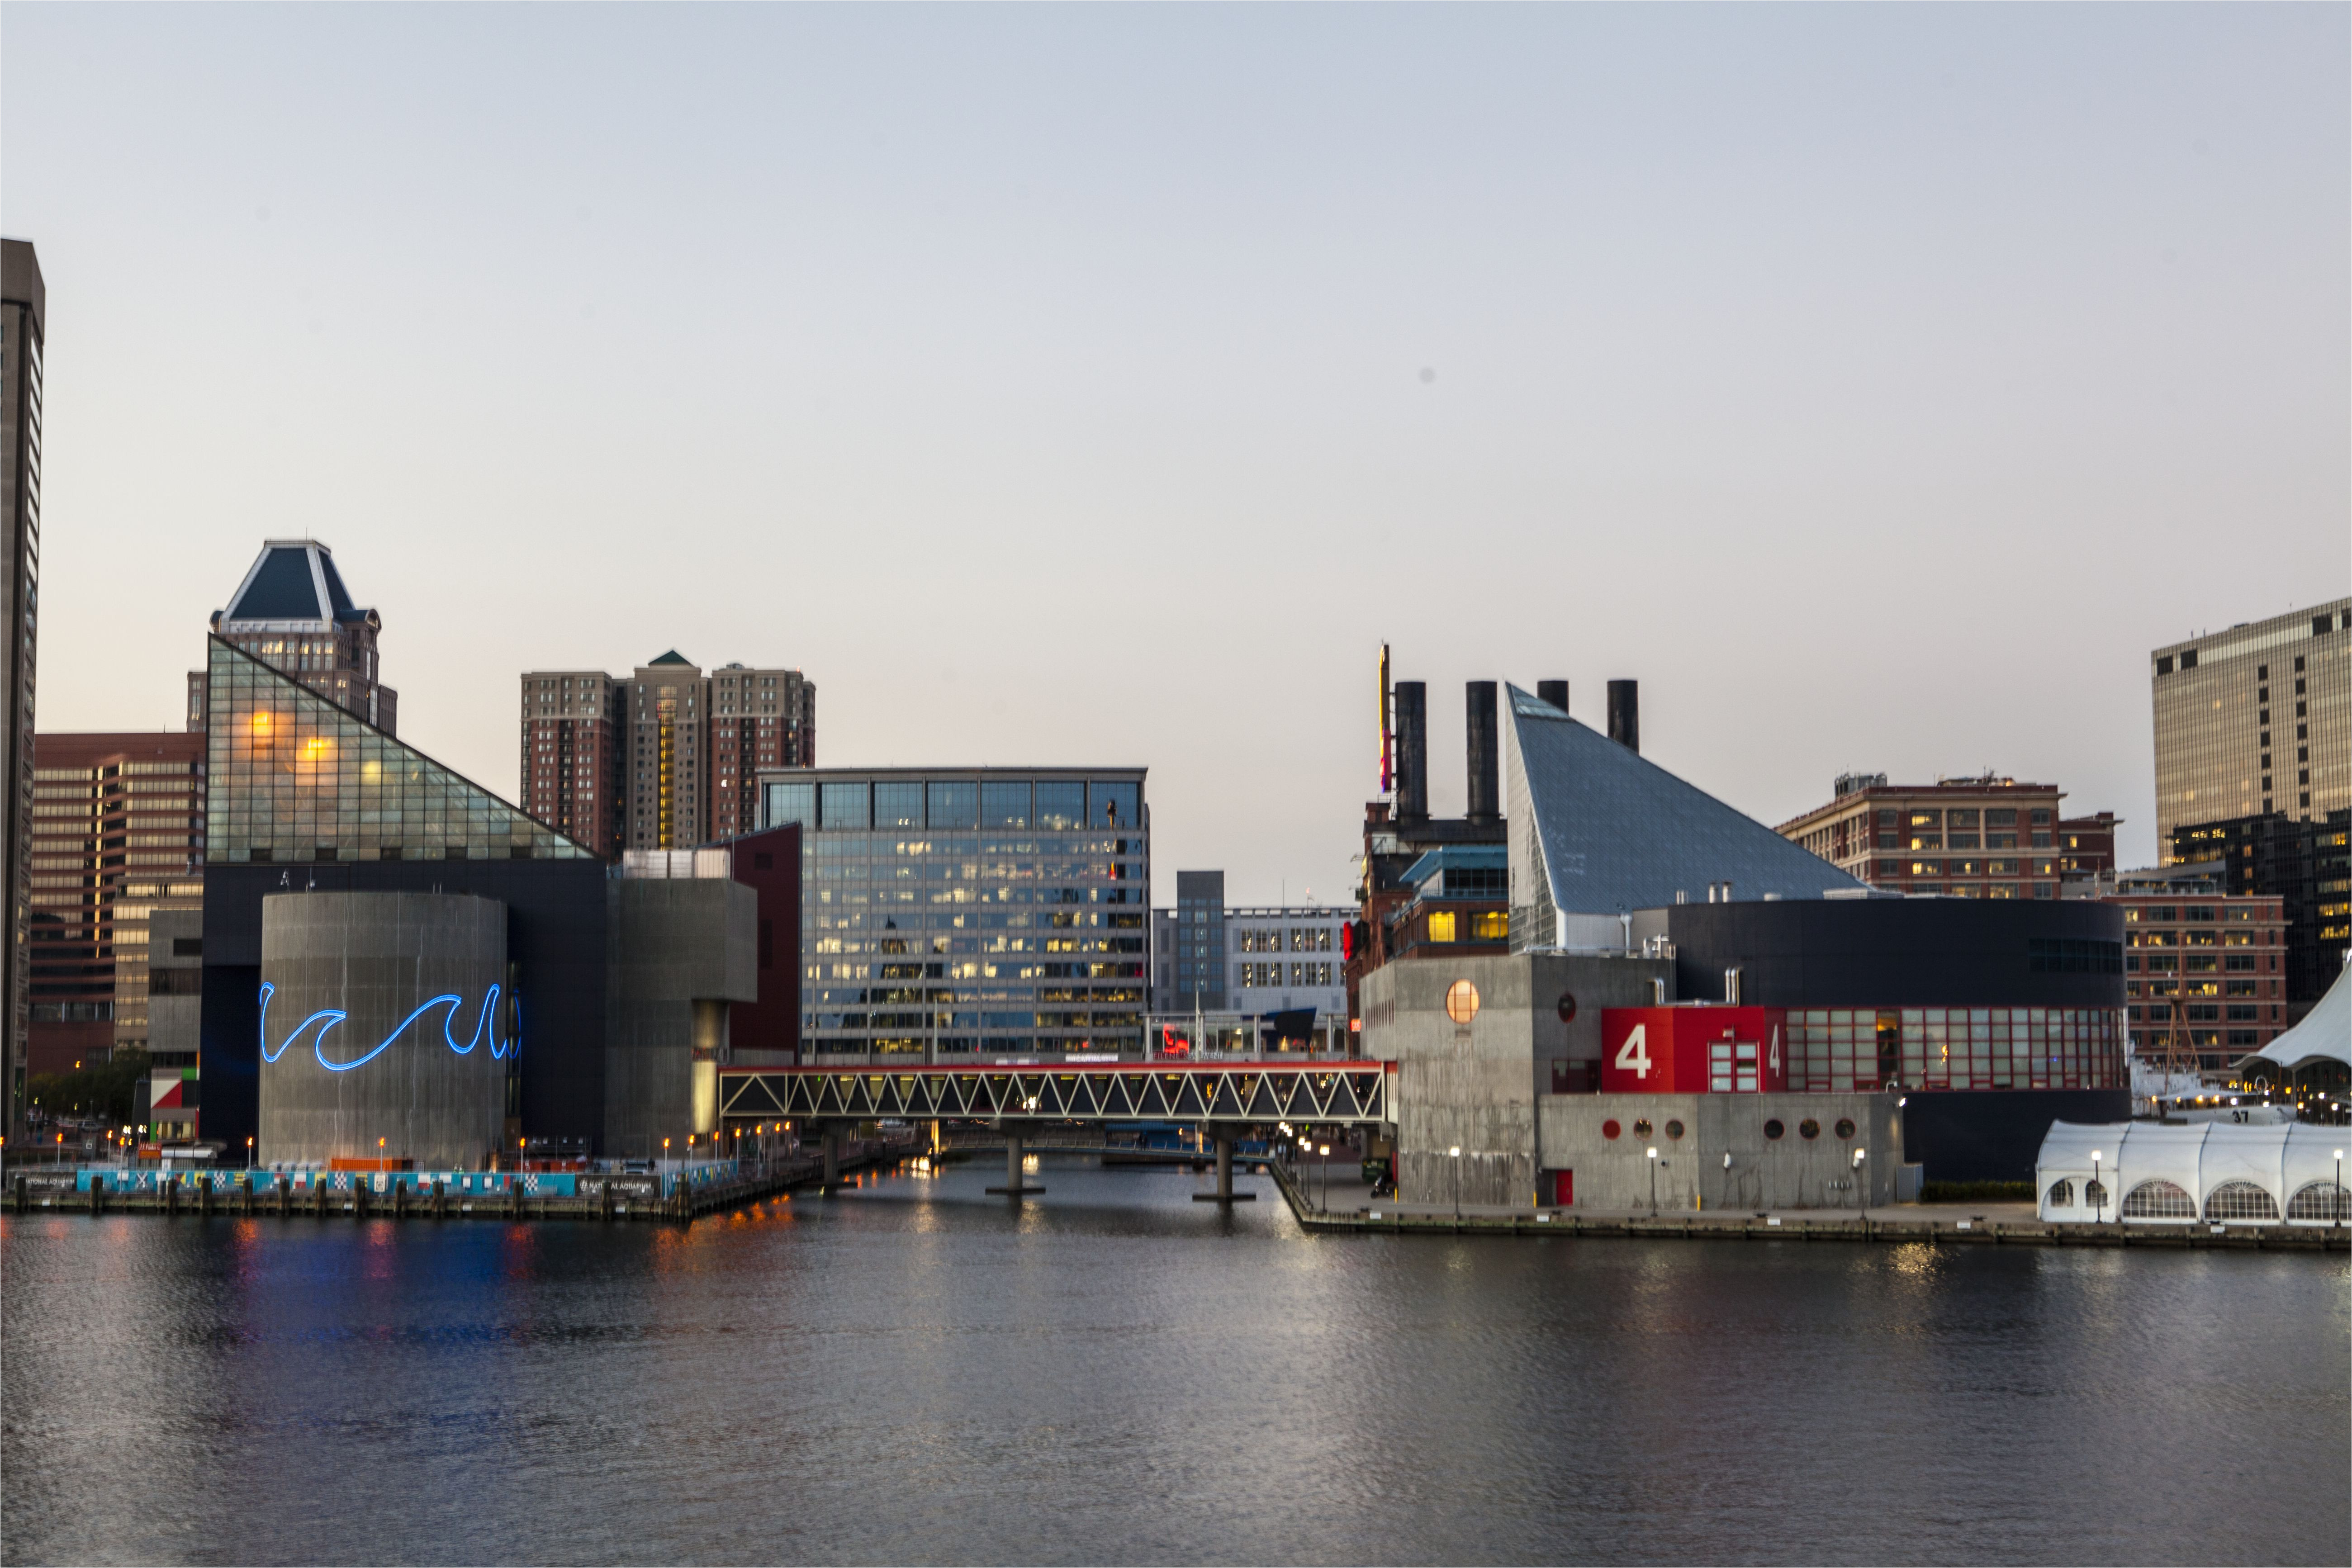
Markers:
point(832, 1158)
point(1224, 1167)
point(1012, 1163)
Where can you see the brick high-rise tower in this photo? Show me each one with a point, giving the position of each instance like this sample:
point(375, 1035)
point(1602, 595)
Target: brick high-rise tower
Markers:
point(664, 759)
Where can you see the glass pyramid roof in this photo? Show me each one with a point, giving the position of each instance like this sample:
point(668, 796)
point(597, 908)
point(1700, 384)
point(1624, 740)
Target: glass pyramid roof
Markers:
point(292, 778)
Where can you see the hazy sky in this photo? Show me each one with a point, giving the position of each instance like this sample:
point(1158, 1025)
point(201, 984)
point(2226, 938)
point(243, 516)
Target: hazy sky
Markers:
point(1071, 384)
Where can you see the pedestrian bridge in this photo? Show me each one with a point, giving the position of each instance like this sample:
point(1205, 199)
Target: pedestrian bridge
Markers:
point(1321, 1092)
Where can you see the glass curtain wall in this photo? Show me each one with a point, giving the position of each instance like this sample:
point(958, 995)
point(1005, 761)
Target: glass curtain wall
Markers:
point(294, 778)
point(949, 919)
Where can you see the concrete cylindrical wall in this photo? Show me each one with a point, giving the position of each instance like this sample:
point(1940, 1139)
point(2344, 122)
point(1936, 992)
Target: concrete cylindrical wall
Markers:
point(405, 1064)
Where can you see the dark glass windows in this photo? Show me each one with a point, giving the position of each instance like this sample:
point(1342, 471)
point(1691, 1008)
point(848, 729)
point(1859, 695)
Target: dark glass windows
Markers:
point(955, 802)
point(792, 803)
point(1005, 803)
point(1116, 804)
point(844, 806)
point(1061, 804)
point(898, 803)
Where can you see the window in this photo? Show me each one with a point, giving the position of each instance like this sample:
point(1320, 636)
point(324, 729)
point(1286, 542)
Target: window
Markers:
point(1005, 803)
point(1674, 1129)
point(2074, 955)
point(2061, 1195)
point(1642, 1128)
point(954, 802)
point(1809, 1128)
point(1440, 925)
point(2158, 1200)
point(2242, 1201)
point(843, 805)
point(1492, 926)
point(2095, 1194)
point(1116, 804)
point(1462, 1006)
point(1773, 1128)
point(1061, 805)
point(898, 803)
point(1844, 1126)
point(1610, 1129)
point(2319, 1200)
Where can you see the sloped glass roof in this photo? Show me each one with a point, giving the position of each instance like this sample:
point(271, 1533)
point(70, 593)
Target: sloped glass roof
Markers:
point(1615, 831)
point(292, 778)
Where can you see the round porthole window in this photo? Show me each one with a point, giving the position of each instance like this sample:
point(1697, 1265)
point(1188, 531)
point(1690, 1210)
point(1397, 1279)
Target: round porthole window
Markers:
point(1567, 1007)
point(1642, 1128)
point(1461, 1001)
point(1610, 1129)
point(1673, 1129)
point(1809, 1128)
point(1773, 1128)
point(1845, 1127)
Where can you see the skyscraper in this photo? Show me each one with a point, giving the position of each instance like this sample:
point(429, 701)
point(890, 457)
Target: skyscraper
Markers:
point(2255, 719)
point(293, 613)
point(119, 833)
point(23, 310)
point(664, 759)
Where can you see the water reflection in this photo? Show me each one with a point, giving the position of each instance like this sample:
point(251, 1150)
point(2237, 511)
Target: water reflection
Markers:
point(911, 1371)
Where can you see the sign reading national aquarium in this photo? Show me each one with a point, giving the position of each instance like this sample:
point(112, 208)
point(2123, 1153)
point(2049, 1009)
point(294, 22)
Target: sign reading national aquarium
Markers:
point(386, 1027)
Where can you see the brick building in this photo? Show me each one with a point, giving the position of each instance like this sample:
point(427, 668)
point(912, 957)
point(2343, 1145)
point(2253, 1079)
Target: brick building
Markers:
point(2204, 970)
point(664, 759)
point(118, 833)
point(2301, 861)
point(1985, 837)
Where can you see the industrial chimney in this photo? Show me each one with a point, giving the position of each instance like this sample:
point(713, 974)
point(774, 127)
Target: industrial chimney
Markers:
point(1554, 692)
point(1485, 768)
point(1625, 714)
point(1412, 752)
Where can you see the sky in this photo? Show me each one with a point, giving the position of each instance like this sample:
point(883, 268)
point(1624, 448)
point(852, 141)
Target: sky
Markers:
point(1106, 385)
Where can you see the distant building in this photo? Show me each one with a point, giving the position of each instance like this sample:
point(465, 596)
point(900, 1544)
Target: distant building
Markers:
point(954, 912)
point(2255, 719)
point(1985, 837)
point(172, 1105)
point(24, 308)
point(2204, 972)
point(1249, 961)
point(118, 834)
point(2301, 862)
point(662, 759)
point(293, 614)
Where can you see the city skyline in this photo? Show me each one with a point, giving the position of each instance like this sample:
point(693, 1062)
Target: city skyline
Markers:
point(932, 398)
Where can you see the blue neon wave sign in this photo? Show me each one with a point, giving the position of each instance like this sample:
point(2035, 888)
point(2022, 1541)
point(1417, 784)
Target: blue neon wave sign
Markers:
point(320, 1024)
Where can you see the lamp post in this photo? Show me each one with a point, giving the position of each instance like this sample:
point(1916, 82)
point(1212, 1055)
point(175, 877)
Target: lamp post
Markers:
point(2335, 1204)
point(1327, 1178)
point(1654, 1179)
point(1861, 1198)
point(1455, 1154)
point(248, 1153)
point(2099, 1213)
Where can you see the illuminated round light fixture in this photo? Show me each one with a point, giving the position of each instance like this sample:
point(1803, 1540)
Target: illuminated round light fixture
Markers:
point(1461, 1001)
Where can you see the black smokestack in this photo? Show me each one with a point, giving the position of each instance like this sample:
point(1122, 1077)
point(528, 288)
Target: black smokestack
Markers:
point(1485, 768)
point(1625, 714)
point(1412, 751)
point(1554, 692)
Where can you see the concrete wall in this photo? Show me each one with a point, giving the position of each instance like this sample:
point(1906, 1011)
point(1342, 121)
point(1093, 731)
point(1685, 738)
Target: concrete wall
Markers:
point(378, 957)
point(679, 952)
point(174, 1006)
point(1612, 1174)
point(1475, 1086)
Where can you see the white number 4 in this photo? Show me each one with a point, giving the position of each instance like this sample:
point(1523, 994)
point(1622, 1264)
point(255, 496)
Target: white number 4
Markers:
point(1776, 1048)
point(1633, 1055)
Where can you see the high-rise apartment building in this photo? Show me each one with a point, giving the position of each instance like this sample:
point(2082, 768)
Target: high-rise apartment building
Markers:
point(2254, 720)
point(292, 614)
point(2302, 863)
point(1988, 837)
point(24, 310)
point(118, 833)
point(572, 751)
point(2204, 969)
point(664, 759)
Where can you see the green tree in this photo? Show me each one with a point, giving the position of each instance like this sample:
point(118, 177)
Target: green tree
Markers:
point(109, 1089)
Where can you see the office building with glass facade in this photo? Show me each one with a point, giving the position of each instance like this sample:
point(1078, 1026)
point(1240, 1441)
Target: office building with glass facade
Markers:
point(2255, 719)
point(962, 913)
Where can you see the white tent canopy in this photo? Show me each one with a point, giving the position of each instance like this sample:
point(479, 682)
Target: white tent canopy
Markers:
point(2324, 1033)
point(2150, 1174)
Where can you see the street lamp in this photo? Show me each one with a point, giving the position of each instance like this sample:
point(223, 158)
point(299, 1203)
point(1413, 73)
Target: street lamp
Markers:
point(1327, 1178)
point(1654, 1179)
point(1861, 1201)
point(2337, 1206)
point(2099, 1213)
point(1455, 1154)
point(248, 1153)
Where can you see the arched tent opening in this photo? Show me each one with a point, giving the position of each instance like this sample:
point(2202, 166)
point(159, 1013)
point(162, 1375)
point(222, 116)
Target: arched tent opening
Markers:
point(2322, 1201)
point(2240, 1201)
point(2061, 1195)
point(2158, 1199)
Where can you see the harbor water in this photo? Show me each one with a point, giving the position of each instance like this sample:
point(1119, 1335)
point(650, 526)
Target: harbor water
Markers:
point(911, 1371)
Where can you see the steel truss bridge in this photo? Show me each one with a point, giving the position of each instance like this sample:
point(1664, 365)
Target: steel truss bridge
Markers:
point(1237, 1092)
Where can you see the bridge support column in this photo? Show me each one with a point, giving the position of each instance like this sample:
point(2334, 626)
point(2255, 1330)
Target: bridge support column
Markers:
point(1015, 1186)
point(1224, 1193)
point(832, 1158)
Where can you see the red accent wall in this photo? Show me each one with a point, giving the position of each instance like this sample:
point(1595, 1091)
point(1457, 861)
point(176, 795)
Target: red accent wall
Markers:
point(1675, 1041)
point(769, 864)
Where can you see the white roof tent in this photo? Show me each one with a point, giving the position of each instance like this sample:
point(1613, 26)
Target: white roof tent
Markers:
point(2324, 1036)
point(2146, 1173)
